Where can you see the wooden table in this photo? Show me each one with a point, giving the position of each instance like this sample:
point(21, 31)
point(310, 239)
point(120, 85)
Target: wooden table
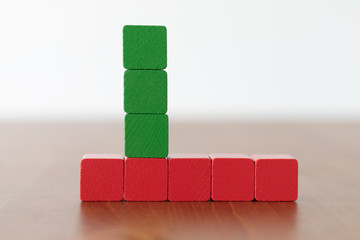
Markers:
point(39, 184)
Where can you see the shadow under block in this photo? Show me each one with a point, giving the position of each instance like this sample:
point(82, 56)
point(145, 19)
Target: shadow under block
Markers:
point(144, 47)
point(276, 177)
point(145, 91)
point(145, 179)
point(232, 177)
point(101, 177)
point(189, 177)
point(146, 135)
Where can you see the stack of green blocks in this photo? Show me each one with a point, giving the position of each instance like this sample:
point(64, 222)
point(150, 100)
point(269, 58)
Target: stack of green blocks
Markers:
point(145, 91)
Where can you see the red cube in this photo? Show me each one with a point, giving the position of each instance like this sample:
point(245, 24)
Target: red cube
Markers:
point(233, 177)
point(145, 179)
point(276, 177)
point(189, 177)
point(101, 177)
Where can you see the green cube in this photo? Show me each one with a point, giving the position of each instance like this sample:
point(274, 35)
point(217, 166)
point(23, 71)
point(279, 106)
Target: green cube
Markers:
point(146, 135)
point(145, 91)
point(144, 47)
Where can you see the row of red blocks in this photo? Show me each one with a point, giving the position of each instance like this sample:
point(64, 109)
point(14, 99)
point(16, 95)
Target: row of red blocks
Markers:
point(189, 177)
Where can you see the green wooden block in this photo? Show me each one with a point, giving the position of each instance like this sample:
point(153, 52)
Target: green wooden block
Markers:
point(145, 91)
point(146, 135)
point(144, 47)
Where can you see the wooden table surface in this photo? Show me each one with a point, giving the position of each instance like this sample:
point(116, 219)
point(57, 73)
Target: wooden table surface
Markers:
point(39, 184)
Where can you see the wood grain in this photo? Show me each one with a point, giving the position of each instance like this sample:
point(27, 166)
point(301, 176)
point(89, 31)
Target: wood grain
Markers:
point(144, 47)
point(145, 179)
point(102, 177)
point(146, 135)
point(233, 177)
point(39, 184)
point(189, 177)
point(276, 177)
point(145, 91)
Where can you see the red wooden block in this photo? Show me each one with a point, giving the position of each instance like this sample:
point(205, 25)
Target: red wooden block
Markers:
point(145, 179)
point(233, 177)
point(101, 177)
point(276, 177)
point(189, 177)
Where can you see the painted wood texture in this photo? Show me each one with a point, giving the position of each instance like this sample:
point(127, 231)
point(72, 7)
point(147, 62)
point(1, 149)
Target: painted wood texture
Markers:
point(232, 177)
point(101, 177)
point(144, 47)
point(276, 177)
point(146, 135)
point(189, 177)
point(145, 179)
point(39, 188)
point(145, 91)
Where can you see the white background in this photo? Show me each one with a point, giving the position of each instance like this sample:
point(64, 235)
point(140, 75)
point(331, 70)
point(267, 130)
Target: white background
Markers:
point(226, 59)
